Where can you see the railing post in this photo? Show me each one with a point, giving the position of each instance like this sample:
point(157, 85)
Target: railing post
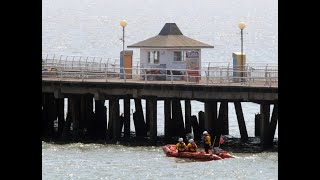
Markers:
point(72, 62)
point(228, 76)
point(137, 67)
point(249, 77)
point(208, 67)
point(106, 69)
point(108, 63)
point(171, 76)
point(65, 60)
point(100, 63)
point(269, 79)
point(124, 74)
point(92, 63)
point(187, 76)
point(47, 58)
point(82, 75)
point(65, 65)
point(145, 76)
point(220, 75)
point(60, 58)
point(266, 74)
point(61, 74)
point(207, 77)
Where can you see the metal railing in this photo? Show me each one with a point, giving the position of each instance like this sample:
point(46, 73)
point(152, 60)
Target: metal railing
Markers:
point(70, 68)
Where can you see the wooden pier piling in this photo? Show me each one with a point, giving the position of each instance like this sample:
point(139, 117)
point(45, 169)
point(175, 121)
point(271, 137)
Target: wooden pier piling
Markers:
point(86, 123)
point(257, 121)
point(265, 115)
point(267, 127)
point(223, 118)
point(75, 109)
point(138, 119)
point(187, 115)
point(210, 121)
point(60, 114)
point(126, 109)
point(177, 119)
point(167, 119)
point(152, 106)
point(241, 122)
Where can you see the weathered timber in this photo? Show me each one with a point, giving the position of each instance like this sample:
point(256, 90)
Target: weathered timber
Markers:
point(241, 122)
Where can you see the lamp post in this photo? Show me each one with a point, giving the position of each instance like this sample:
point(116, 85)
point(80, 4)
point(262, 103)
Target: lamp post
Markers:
point(123, 23)
point(242, 25)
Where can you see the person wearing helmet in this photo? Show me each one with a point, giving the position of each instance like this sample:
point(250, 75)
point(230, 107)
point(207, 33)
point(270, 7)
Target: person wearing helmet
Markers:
point(181, 146)
point(207, 141)
point(192, 147)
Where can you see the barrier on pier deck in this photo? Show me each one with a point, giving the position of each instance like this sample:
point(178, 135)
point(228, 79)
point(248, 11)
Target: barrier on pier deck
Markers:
point(239, 67)
point(126, 64)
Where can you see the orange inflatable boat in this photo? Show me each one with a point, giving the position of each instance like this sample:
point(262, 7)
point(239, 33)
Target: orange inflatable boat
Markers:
point(170, 150)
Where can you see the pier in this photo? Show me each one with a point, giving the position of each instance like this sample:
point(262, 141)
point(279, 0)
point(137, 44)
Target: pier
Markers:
point(88, 82)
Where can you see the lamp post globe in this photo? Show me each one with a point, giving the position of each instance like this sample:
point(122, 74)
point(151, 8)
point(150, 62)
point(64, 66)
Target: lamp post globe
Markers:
point(242, 25)
point(123, 23)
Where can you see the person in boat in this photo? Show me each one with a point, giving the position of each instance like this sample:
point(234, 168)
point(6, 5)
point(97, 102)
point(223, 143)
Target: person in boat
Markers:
point(181, 146)
point(192, 146)
point(206, 141)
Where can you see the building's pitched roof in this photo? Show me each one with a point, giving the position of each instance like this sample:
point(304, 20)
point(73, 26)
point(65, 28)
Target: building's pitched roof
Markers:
point(170, 37)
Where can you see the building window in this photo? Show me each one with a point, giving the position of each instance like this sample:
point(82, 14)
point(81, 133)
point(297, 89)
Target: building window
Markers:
point(153, 57)
point(179, 56)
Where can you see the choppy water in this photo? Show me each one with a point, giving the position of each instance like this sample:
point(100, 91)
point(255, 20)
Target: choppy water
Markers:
point(97, 161)
point(92, 28)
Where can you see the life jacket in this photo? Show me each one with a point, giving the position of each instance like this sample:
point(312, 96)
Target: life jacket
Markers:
point(192, 147)
point(207, 140)
point(181, 146)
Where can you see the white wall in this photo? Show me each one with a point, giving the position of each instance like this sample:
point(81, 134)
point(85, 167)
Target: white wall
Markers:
point(166, 57)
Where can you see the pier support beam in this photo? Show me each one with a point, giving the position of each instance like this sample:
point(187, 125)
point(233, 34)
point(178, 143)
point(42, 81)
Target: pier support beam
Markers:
point(257, 120)
point(223, 118)
point(273, 122)
point(100, 118)
point(210, 120)
point(86, 113)
point(241, 122)
point(44, 115)
point(167, 119)
point(264, 123)
point(138, 119)
point(147, 116)
point(267, 129)
point(83, 114)
point(152, 106)
point(114, 118)
point(201, 116)
point(196, 128)
point(188, 115)
point(177, 119)
point(89, 116)
point(60, 114)
point(126, 108)
point(75, 105)
point(52, 115)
